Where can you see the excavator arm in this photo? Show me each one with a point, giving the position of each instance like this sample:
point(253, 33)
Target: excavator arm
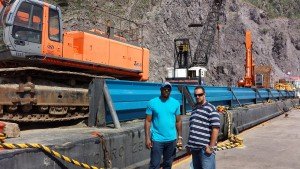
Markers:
point(249, 79)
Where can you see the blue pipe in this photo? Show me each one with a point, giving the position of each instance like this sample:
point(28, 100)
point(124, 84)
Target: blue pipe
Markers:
point(130, 98)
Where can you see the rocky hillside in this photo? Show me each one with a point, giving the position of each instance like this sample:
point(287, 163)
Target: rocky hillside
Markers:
point(276, 8)
point(276, 40)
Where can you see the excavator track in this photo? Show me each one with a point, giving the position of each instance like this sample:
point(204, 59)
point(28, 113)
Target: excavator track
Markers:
point(27, 97)
point(20, 117)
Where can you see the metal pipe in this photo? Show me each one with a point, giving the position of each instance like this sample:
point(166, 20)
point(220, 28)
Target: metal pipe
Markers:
point(199, 76)
point(111, 107)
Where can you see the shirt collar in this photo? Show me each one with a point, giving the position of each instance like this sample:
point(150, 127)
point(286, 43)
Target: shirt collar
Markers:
point(199, 106)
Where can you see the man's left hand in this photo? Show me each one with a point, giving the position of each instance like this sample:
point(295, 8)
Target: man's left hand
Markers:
point(208, 150)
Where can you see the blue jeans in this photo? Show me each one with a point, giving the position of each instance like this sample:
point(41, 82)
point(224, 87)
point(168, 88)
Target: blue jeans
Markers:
point(167, 149)
point(202, 160)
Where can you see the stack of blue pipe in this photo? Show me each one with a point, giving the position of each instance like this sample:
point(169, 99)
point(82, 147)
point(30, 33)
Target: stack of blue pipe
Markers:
point(130, 98)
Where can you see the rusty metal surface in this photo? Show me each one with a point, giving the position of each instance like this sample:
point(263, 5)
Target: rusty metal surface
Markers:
point(34, 94)
point(266, 72)
point(20, 117)
point(36, 103)
point(43, 96)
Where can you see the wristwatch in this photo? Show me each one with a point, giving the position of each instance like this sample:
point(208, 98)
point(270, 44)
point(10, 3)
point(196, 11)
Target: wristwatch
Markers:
point(180, 137)
point(211, 148)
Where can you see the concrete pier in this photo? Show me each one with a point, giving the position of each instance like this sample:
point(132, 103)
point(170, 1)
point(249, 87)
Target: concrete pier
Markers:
point(126, 147)
point(272, 144)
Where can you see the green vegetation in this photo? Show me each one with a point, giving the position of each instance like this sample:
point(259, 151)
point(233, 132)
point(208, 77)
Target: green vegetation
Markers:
point(141, 7)
point(264, 31)
point(279, 8)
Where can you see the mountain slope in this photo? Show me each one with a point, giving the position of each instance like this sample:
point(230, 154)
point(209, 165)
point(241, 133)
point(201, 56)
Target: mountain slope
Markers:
point(276, 40)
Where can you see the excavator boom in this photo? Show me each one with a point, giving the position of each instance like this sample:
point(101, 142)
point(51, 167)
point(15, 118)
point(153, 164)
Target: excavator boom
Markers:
point(249, 79)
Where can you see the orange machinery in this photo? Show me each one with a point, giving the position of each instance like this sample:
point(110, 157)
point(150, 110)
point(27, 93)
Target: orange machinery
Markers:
point(249, 79)
point(45, 72)
point(33, 35)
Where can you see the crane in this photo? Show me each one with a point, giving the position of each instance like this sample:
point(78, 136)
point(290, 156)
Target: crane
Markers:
point(206, 41)
point(192, 72)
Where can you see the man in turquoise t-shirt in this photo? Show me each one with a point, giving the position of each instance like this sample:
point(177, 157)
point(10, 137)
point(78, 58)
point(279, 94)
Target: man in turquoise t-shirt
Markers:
point(163, 115)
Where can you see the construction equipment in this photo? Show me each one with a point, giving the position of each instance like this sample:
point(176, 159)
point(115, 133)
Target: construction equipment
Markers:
point(283, 84)
point(262, 76)
point(249, 79)
point(255, 76)
point(45, 73)
point(182, 72)
point(194, 71)
point(207, 36)
point(295, 80)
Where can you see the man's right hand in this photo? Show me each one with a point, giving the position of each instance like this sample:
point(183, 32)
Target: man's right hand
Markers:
point(149, 143)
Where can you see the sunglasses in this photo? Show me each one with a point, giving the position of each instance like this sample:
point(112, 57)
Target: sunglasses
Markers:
point(166, 89)
point(199, 95)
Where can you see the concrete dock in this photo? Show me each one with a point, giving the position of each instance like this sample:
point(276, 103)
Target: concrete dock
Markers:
point(272, 144)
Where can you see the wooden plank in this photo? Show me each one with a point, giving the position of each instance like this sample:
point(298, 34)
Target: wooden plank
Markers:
point(101, 122)
point(11, 129)
point(96, 104)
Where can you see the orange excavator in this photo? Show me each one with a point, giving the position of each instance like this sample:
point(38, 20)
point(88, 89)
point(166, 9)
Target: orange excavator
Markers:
point(45, 72)
point(32, 34)
point(249, 79)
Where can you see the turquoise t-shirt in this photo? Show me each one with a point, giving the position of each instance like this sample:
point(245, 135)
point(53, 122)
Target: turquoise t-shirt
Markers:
point(163, 126)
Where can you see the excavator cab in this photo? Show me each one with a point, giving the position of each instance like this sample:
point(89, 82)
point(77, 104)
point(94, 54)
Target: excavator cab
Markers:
point(30, 28)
